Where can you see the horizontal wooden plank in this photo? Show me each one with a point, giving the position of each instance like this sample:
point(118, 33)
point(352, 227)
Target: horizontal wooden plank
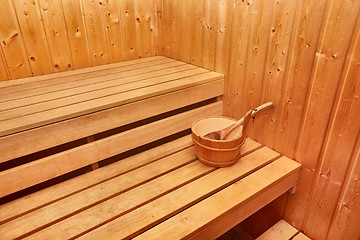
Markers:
point(33, 140)
point(57, 192)
point(229, 206)
point(81, 108)
point(27, 175)
point(130, 197)
point(46, 94)
point(281, 231)
point(72, 82)
point(74, 96)
point(168, 205)
point(130, 200)
point(123, 184)
point(47, 77)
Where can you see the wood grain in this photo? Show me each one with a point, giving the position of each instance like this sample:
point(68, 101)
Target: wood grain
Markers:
point(37, 47)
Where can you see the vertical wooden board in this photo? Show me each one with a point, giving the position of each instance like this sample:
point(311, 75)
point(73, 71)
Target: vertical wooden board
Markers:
point(57, 39)
point(196, 20)
point(32, 28)
point(12, 43)
point(155, 26)
point(142, 26)
point(174, 22)
point(127, 16)
point(95, 31)
point(340, 19)
point(182, 30)
point(298, 80)
point(76, 31)
point(340, 142)
point(272, 87)
point(299, 67)
point(167, 11)
point(347, 215)
point(223, 34)
point(233, 98)
point(261, 13)
point(209, 34)
point(113, 32)
point(4, 73)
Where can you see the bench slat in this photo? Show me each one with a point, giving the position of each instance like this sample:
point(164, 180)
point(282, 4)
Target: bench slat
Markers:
point(166, 206)
point(27, 175)
point(130, 200)
point(73, 82)
point(66, 131)
point(60, 191)
point(284, 172)
point(88, 85)
point(123, 184)
point(281, 230)
point(13, 84)
point(45, 104)
point(66, 112)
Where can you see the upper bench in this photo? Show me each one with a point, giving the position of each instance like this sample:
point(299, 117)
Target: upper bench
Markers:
point(38, 101)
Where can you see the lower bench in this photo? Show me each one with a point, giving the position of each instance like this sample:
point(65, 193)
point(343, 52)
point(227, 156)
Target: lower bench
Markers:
point(161, 193)
point(283, 231)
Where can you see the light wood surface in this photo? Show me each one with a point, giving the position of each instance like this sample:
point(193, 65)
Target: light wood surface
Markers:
point(150, 100)
point(236, 38)
point(35, 104)
point(289, 51)
point(27, 175)
point(281, 231)
point(150, 191)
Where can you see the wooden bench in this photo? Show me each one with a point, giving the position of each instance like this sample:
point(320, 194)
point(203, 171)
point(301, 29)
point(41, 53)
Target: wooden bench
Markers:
point(105, 152)
point(283, 231)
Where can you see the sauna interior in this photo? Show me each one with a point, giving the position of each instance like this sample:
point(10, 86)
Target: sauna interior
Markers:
point(304, 55)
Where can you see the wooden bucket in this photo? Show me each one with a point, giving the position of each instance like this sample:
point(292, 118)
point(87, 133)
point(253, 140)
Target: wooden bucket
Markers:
point(218, 153)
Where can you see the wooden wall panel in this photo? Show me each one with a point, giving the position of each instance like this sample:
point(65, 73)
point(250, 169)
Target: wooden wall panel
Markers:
point(4, 74)
point(12, 43)
point(271, 86)
point(76, 32)
point(32, 29)
point(96, 36)
point(45, 36)
point(56, 34)
point(114, 38)
point(345, 221)
point(297, 54)
point(339, 145)
point(346, 132)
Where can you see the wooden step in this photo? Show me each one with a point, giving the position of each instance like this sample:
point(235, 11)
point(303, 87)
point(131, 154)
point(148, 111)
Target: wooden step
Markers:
point(283, 231)
point(44, 100)
point(166, 185)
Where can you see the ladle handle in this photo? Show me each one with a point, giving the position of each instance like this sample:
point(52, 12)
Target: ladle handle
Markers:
point(262, 108)
point(254, 112)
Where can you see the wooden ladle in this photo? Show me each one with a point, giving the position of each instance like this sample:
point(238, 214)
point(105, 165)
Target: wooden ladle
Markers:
point(224, 133)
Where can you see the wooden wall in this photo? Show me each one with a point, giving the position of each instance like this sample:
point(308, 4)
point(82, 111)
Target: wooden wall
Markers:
point(44, 36)
point(303, 55)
